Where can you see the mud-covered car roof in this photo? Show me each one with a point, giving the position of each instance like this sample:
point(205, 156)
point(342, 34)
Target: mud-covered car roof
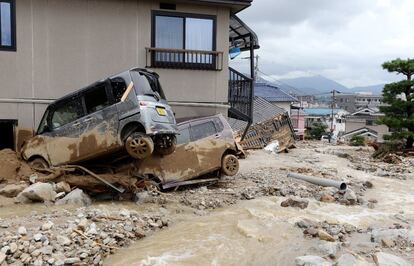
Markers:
point(77, 92)
point(186, 120)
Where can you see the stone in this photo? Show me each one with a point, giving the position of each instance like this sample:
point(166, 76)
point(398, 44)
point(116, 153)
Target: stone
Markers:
point(5, 250)
point(392, 234)
point(387, 243)
point(386, 259)
point(60, 195)
point(368, 184)
point(311, 261)
point(97, 260)
point(306, 223)
point(47, 226)
point(83, 223)
point(22, 231)
point(62, 187)
point(311, 231)
point(2, 257)
point(38, 192)
point(295, 202)
point(25, 258)
point(12, 190)
point(325, 236)
point(13, 248)
point(125, 213)
point(347, 260)
point(70, 261)
point(37, 237)
point(329, 248)
point(350, 197)
point(143, 197)
point(76, 197)
point(63, 240)
point(327, 198)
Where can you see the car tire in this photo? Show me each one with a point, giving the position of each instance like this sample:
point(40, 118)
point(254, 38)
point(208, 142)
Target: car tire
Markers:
point(39, 163)
point(229, 165)
point(172, 139)
point(139, 146)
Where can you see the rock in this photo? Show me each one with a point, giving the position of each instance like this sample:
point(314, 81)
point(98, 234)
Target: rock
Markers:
point(295, 202)
point(12, 190)
point(392, 159)
point(2, 257)
point(306, 223)
point(62, 187)
point(76, 197)
point(391, 234)
point(368, 184)
point(92, 230)
point(83, 223)
point(311, 231)
point(386, 259)
point(125, 213)
point(33, 178)
point(5, 250)
point(350, 197)
point(97, 260)
point(311, 261)
point(387, 243)
point(25, 258)
point(38, 192)
point(327, 198)
point(71, 261)
point(63, 240)
point(22, 231)
point(13, 248)
point(329, 248)
point(325, 236)
point(47, 226)
point(37, 237)
point(60, 195)
point(143, 197)
point(350, 260)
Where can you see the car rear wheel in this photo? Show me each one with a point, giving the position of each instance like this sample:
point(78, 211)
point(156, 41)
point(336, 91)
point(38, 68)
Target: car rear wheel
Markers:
point(39, 163)
point(166, 144)
point(230, 165)
point(139, 146)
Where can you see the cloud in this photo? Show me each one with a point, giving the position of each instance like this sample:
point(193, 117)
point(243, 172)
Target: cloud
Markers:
point(343, 40)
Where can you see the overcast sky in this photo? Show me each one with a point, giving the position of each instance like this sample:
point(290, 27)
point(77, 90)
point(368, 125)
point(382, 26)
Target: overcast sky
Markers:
point(344, 40)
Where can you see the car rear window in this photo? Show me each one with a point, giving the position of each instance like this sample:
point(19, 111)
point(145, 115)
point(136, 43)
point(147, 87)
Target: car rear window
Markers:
point(203, 130)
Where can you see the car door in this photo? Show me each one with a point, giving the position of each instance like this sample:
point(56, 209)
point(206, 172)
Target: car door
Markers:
point(100, 124)
point(209, 145)
point(181, 165)
point(64, 129)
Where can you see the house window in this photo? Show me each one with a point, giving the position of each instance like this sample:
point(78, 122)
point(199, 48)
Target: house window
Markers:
point(185, 39)
point(369, 123)
point(7, 25)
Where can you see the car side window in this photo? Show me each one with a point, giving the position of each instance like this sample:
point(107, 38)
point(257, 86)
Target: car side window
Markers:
point(66, 113)
point(219, 124)
point(119, 87)
point(184, 136)
point(96, 98)
point(203, 130)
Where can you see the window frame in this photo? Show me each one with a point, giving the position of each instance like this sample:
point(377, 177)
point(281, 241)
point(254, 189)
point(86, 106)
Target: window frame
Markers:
point(183, 15)
point(61, 103)
point(92, 87)
point(13, 46)
point(193, 137)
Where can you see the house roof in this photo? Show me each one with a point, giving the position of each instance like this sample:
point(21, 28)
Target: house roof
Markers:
point(294, 112)
point(262, 111)
point(321, 111)
point(272, 93)
point(366, 111)
point(236, 5)
point(241, 36)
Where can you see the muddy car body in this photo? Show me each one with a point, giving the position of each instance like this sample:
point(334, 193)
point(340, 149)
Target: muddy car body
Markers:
point(119, 112)
point(204, 145)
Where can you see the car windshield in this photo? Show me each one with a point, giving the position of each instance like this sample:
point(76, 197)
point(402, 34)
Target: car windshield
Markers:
point(147, 84)
point(43, 123)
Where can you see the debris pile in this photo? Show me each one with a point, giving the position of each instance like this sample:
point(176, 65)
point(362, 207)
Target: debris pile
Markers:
point(86, 236)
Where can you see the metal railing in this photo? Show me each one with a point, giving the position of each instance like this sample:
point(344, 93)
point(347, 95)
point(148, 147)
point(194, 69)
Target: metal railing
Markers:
point(184, 59)
point(240, 96)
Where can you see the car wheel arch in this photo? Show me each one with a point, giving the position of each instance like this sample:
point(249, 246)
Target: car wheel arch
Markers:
point(39, 157)
point(131, 127)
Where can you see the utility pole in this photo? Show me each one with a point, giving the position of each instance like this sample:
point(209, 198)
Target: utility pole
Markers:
point(256, 68)
point(332, 114)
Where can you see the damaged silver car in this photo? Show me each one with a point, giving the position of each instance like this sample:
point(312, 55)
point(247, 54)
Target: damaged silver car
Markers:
point(126, 111)
point(204, 145)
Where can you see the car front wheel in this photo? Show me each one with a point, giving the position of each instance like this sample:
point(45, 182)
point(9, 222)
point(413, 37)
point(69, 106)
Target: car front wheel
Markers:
point(139, 146)
point(230, 165)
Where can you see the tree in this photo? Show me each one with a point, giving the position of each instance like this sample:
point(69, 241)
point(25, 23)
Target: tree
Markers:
point(317, 130)
point(399, 102)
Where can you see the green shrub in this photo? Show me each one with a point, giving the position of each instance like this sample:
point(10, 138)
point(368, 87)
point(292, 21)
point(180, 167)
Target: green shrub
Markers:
point(357, 140)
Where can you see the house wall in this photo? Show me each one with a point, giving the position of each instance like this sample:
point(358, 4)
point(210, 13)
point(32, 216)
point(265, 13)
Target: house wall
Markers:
point(63, 46)
point(354, 124)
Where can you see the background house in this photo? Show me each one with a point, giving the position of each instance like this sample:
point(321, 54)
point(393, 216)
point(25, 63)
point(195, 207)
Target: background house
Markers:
point(51, 48)
point(297, 116)
point(324, 115)
point(274, 95)
point(353, 102)
point(364, 120)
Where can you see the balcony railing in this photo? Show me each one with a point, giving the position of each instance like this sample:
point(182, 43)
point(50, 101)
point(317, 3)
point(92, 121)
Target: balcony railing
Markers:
point(184, 59)
point(240, 96)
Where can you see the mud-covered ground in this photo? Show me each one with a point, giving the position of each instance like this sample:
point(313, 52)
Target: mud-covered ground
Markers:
point(286, 219)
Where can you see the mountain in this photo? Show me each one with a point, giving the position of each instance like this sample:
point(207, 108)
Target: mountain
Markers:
point(374, 89)
point(315, 85)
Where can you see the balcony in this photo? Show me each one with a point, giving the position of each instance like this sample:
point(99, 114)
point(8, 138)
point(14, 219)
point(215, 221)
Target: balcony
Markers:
point(240, 96)
point(184, 59)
